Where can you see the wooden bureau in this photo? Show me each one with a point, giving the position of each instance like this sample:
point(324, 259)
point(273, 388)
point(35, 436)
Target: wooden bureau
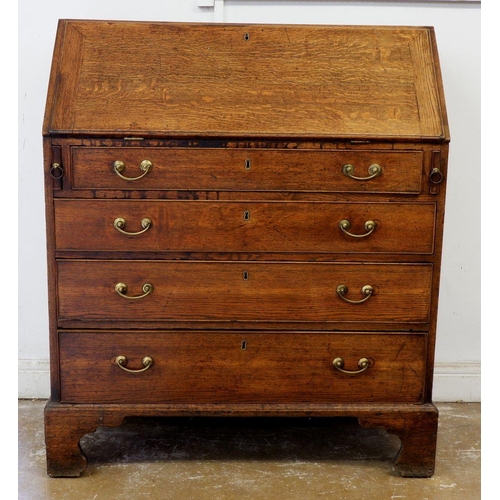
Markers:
point(243, 220)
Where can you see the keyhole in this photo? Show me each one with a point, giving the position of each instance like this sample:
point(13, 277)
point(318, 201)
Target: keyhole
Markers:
point(246, 215)
point(243, 345)
point(245, 275)
point(248, 164)
point(246, 36)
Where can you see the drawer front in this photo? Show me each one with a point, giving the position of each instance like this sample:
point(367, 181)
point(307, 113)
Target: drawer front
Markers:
point(242, 291)
point(204, 226)
point(247, 170)
point(231, 367)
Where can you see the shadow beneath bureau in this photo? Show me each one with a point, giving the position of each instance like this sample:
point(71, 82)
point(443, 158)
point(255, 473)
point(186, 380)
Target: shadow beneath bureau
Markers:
point(150, 439)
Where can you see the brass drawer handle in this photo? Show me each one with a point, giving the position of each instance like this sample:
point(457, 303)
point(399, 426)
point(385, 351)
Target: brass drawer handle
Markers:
point(370, 226)
point(119, 167)
point(56, 171)
point(121, 290)
point(436, 176)
point(367, 291)
point(374, 171)
point(147, 362)
point(119, 225)
point(363, 364)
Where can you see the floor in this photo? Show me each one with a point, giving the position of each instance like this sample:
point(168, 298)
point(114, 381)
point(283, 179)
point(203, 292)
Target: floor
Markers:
point(254, 459)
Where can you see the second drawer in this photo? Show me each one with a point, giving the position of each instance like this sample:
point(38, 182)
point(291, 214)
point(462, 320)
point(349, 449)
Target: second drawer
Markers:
point(199, 226)
point(169, 291)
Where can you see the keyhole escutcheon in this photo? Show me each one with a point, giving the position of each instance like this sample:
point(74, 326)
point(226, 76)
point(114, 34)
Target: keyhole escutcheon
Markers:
point(246, 215)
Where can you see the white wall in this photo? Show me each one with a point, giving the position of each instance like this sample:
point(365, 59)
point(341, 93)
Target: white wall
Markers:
point(458, 34)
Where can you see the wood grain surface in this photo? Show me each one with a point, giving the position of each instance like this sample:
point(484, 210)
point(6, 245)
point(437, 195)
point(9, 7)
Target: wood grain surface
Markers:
point(214, 291)
point(198, 226)
point(247, 169)
point(246, 80)
point(212, 367)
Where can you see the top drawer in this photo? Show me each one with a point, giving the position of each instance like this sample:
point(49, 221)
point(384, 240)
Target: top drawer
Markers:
point(204, 169)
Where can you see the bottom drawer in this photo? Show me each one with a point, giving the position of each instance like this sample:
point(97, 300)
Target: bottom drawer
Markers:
point(212, 367)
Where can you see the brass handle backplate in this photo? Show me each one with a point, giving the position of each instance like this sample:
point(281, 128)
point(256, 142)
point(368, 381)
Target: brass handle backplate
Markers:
point(363, 364)
point(121, 361)
point(370, 226)
point(367, 291)
point(119, 167)
point(119, 225)
point(373, 171)
point(121, 290)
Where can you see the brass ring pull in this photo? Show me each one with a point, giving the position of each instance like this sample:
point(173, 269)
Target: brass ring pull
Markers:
point(121, 290)
point(119, 167)
point(56, 167)
point(436, 176)
point(119, 225)
point(147, 362)
point(367, 291)
point(363, 364)
point(370, 226)
point(373, 171)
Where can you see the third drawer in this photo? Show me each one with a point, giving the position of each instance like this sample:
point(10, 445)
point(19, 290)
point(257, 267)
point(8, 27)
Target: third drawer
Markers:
point(258, 292)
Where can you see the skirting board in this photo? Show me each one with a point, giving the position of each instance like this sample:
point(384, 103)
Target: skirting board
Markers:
point(452, 381)
point(457, 382)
